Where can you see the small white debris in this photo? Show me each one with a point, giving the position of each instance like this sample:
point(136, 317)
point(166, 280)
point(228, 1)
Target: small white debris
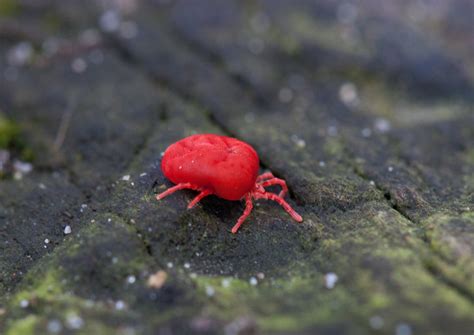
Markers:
point(22, 167)
point(403, 329)
point(46, 241)
point(109, 21)
point(132, 221)
point(372, 183)
point(382, 125)
point(143, 174)
point(366, 132)
point(20, 54)
point(162, 153)
point(285, 94)
point(119, 305)
point(193, 275)
point(210, 291)
point(187, 265)
point(348, 94)
point(169, 265)
point(74, 321)
point(253, 281)
point(261, 275)
point(330, 280)
point(300, 143)
point(114, 260)
point(225, 282)
point(157, 280)
point(131, 279)
point(376, 322)
point(24, 303)
point(54, 326)
point(126, 177)
point(42, 186)
point(109, 220)
point(67, 230)
point(92, 221)
point(78, 65)
point(390, 169)
point(322, 163)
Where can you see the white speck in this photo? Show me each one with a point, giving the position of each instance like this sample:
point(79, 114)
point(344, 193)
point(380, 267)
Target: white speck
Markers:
point(128, 29)
point(366, 132)
point(46, 241)
point(162, 153)
point(109, 220)
point(180, 167)
point(403, 329)
point(74, 322)
point(54, 326)
point(376, 322)
point(119, 305)
point(114, 260)
point(42, 186)
point(24, 303)
point(261, 275)
point(253, 281)
point(126, 177)
point(348, 94)
point(22, 167)
point(332, 130)
point(79, 65)
point(169, 265)
point(256, 45)
point(372, 183)
point(67, 230)
point(382, 125)
point(330, 280)
point(131, 279)
point(187, 265)
point(84, 206)
point(225, 282)
point(143, 174)
point(210, 291)
point(322, 163)
point(20, 54)
point(132, 221)
point(300, 143)
point(132, 183)
point(92, 221)
point(285, 94)
point(109, 21)
point(390, 169)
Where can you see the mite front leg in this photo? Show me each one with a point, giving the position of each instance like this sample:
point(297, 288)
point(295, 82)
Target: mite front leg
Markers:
point(199, 197)
point(265, 175)
point(281, 202)
point(178, 187)
point(247, 211)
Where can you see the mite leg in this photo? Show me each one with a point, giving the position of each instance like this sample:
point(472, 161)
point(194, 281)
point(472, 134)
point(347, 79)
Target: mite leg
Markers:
point(198, 198)
point(265, 175)
point(248, 209)
point(282, 203)
point(180, 186)
point(276, 181)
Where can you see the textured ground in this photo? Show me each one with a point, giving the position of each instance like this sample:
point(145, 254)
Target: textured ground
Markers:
point(365, 109)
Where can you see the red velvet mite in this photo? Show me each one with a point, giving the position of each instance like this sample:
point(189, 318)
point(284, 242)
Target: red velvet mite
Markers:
point(223, 166)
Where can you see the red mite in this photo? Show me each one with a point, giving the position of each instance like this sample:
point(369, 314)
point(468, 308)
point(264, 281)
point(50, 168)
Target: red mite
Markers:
point(223, 166)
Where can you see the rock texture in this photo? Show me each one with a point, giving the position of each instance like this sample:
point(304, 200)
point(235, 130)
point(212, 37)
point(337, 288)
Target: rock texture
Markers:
point(364, 108)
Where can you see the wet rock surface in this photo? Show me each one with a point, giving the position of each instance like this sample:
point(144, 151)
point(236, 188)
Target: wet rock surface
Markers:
point(364, 109)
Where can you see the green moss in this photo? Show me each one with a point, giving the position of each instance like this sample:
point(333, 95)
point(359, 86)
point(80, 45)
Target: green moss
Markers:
point(9, 8)
point(9, 132)
point(23, 326)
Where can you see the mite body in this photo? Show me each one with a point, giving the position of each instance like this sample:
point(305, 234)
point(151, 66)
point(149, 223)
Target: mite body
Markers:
point(222, 166)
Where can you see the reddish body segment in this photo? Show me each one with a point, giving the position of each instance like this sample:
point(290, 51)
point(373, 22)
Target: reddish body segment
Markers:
point(223, 166)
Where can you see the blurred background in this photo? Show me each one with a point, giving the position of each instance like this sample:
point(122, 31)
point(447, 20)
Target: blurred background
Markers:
point(365, 108)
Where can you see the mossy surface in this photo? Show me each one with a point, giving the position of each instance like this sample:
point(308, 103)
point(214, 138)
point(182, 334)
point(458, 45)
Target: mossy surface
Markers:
point(360, 110)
